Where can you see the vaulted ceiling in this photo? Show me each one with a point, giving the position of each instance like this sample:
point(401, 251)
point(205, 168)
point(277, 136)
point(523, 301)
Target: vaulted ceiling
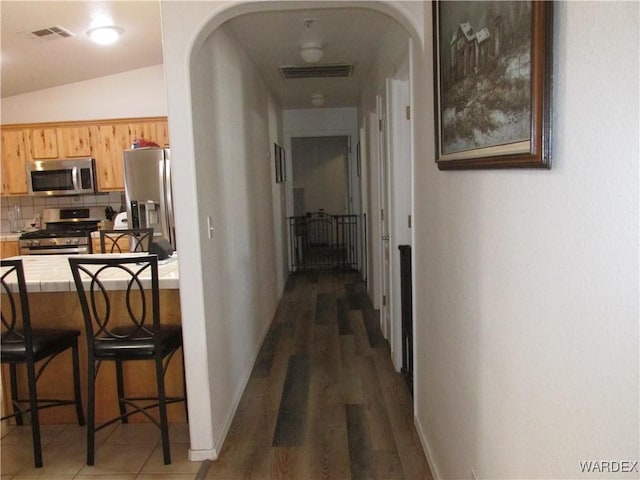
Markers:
point(348, 36)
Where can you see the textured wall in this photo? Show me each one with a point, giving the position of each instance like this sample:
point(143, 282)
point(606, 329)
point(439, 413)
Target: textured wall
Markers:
point(527, 284)
point(137, 93)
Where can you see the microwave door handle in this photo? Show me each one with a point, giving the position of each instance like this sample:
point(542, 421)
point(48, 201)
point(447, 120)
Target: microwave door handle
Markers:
point(75, 175)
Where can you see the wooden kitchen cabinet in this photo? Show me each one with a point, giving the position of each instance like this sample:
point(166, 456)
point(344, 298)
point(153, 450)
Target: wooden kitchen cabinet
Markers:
point(154, 131)
point(14, 161)
point(162, 134)
point(43, 143)
point(95, 245)
point(104, 140)
point(109, 141)
point(108, 245)
point(74, 142)
point(59, 142)
point(9, 248)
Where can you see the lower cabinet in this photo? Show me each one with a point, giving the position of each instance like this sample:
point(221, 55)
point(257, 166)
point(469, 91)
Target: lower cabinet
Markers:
point(9, 248)
point(95, 244)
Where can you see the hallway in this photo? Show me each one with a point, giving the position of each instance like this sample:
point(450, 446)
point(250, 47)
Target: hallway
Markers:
point(323, 400)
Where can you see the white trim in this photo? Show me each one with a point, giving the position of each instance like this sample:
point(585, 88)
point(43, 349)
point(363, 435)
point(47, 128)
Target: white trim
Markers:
point(427, 450)
point(202, 455)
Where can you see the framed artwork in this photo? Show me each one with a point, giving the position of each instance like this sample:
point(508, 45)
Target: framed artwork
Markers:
point(492, 84)
point(280, 168)
point(283, 165)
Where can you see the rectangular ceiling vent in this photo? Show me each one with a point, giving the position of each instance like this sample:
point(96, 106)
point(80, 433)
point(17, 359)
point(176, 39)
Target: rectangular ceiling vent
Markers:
point(51, 33)
point(317, 71)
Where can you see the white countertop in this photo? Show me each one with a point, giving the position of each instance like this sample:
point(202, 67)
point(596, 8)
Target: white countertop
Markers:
point(9, 237)
point(52, 273)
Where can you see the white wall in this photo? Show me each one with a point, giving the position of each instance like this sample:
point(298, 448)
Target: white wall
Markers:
point(234, 188)
point(319, 169)
point(527, 281)
point(137, 93)
point(320, 122)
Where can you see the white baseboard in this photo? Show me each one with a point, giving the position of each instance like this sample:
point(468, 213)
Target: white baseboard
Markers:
point(202, 455)
point(427, 451)
point(219, 442)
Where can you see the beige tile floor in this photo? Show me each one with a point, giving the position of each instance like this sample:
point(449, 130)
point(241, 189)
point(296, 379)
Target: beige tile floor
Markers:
point(123, 452)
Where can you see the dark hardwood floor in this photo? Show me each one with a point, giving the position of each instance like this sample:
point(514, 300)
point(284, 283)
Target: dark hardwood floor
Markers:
point(323, 400)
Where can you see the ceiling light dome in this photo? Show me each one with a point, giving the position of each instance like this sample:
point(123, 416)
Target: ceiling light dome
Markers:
point(105, 35)
point(311, 52)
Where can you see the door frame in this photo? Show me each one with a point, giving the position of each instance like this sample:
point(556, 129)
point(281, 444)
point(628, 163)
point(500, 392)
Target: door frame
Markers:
point(400, 192)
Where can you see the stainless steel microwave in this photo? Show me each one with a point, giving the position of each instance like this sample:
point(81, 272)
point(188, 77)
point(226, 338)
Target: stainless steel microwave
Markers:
point(61, 177)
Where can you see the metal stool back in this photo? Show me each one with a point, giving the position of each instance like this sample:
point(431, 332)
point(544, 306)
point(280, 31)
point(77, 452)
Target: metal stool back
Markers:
point(122, 329)
point(22, 344)
point(125, 241)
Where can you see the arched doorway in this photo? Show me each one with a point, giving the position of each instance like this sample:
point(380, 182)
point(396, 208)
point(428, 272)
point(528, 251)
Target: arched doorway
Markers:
point(225, 201)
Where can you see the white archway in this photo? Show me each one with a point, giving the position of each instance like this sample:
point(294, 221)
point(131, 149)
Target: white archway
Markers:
point(217, 363)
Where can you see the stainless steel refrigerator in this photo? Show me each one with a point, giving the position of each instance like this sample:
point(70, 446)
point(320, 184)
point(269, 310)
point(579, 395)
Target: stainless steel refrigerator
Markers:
point(147, 173)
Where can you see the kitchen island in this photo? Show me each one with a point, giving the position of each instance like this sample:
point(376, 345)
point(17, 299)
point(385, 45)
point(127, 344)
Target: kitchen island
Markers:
point(53, 302)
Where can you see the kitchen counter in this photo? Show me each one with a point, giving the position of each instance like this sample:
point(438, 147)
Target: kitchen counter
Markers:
point(51, 273)
point(53, 303)
point(10, 237)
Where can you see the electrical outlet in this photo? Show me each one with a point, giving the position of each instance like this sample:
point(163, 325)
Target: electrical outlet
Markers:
point(473, 474)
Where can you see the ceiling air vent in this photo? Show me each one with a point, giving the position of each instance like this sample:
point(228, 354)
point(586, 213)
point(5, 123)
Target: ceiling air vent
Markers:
point(51, 33)
point(317, 71)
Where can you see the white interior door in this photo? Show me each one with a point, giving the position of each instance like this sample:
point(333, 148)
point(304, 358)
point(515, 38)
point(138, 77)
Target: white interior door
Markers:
point(400, 183)
point(383, 192)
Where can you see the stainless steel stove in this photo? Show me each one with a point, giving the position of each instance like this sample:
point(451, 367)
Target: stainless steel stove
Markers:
point(67, 231)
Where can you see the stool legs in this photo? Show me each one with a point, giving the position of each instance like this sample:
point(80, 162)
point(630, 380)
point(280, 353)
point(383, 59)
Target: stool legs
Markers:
point(91, 411)
point(13, 374)
point(76, 384)
point(162, 406)
point(35, 419)
point(120, 385)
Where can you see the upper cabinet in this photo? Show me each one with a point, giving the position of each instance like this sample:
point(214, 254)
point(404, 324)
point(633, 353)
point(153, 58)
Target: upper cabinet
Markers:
point(162, 134)
point(104, 140)
point(109, 142)
point(74, 142)
point(43, 143)
point(14, 161)
point(59, 142)
point(111, 139)
point(157, 132)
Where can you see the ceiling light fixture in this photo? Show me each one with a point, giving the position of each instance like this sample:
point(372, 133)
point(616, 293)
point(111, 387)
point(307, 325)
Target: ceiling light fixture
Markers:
point(311, 49)
point(311, 52)
point(105, 35)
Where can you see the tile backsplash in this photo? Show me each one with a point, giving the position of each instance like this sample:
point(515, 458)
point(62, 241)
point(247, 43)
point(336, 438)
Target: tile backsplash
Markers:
point(31, 207)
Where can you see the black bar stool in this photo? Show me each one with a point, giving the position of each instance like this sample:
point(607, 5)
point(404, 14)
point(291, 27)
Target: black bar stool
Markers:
point(130, 333)
point(22, 344)
point(127, 240)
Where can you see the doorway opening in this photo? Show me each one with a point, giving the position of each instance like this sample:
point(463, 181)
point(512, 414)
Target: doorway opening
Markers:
point(324, 232)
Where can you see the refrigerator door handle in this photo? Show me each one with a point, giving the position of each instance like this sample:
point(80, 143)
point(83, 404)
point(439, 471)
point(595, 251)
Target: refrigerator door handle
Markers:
point(168, 199)
point(169, 194)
